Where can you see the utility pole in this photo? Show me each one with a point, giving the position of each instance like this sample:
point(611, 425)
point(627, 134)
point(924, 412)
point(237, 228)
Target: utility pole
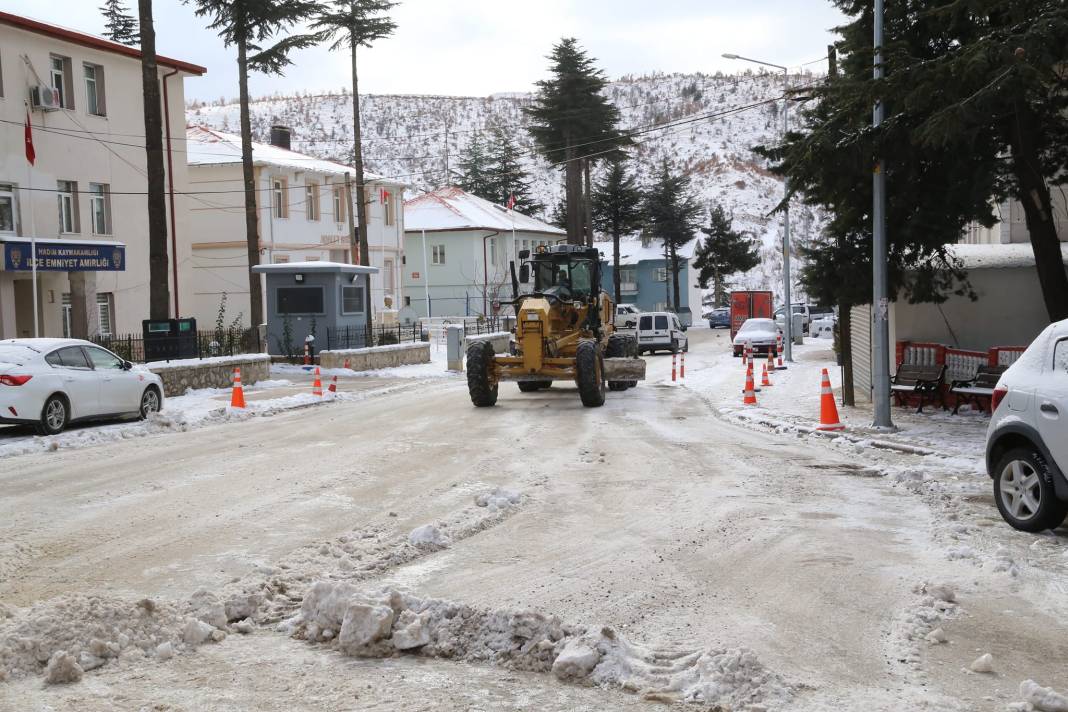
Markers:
point(880, 297)
point(158, 291)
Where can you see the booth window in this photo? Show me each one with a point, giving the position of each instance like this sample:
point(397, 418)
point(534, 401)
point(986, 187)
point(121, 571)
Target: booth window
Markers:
point(300, 300)
point(352, 300)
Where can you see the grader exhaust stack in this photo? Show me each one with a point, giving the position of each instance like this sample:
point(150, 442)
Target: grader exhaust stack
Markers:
point(563, 332)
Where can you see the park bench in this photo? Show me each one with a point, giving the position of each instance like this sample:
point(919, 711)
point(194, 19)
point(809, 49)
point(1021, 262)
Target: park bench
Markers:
point(923, 381)
point(977, 389)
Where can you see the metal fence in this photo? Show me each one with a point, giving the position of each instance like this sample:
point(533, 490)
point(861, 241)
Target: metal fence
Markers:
point(348, 337)
point(227, 342)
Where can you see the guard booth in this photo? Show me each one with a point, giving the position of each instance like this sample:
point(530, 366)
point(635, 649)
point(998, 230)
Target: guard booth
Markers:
point(328, 301)
point(167, 339)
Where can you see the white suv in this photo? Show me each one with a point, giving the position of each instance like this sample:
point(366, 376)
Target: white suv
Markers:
point(1027, 441)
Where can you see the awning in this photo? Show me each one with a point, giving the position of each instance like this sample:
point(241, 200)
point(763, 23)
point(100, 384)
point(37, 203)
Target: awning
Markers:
point(58, 255)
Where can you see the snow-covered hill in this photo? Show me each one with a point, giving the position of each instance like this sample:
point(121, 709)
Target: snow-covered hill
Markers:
point(415, 138)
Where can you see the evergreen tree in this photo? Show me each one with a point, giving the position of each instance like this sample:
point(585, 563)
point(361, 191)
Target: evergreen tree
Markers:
point(119, 25)
point(570, 120)
point(725, 251)
point(248, 25)
point(507, 176)
point(475, 169)
point(156, 200)
point(617, 210)
point(977, 113)
point(672, 214)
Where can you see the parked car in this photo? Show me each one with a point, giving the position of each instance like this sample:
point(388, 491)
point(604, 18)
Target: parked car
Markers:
point(761, 334)
point(1027, 439)
point(720, 318)
point(626, 316)
point(50, 383)
point(661, 331)
point(802, 309)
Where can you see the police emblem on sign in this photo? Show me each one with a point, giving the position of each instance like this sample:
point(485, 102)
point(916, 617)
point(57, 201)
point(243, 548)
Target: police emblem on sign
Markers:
point(116, 258)
point(15, 253)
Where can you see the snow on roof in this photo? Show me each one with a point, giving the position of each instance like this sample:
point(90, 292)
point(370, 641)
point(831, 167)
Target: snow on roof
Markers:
point(999, 256)
point(451, 208)
point(315, 266)
point(208, 147)
point(632, 251)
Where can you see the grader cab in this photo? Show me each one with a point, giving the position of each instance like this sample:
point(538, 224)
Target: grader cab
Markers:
point(563, 332)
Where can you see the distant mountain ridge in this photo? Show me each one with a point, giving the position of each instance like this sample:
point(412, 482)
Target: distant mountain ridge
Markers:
point(405, 138)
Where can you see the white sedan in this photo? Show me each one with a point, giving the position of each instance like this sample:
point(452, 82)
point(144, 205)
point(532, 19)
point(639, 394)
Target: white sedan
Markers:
point(761, 334)
point(50, 383)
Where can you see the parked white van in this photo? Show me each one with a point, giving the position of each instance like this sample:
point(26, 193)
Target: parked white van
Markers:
point(626, 316)
point(661, 331)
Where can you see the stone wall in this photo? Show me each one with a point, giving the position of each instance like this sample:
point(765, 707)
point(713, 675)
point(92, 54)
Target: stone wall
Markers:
point(377, 356)
point(180, 376)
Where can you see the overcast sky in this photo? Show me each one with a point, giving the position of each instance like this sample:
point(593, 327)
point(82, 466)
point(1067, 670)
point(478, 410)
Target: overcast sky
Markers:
point(478, 47)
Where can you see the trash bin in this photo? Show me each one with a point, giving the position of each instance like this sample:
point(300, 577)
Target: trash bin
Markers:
point(167, 339)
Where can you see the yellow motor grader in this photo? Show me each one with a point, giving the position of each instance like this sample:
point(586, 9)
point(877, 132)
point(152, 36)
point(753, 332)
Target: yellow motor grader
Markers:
point(563, 332)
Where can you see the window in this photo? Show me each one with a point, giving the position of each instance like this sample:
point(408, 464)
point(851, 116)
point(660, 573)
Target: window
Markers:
point(627, 274)
point(339, 204)
point(1060, 356)
point(8, 209)
point(280, 259)
point(100, 208)
point(69, 357)
point(352, 300)
point(438, 255)
point(280, 197)
point(300, 300)
point(388, 282)
point(645, 323)
point(94, 89)
point(104, 314)
point(60, 75)
point(387, 206)
point(311, 201)
point(525, 245)
point(67, 196)
point(660, 306)
point(660, 322)
point(407, 301)
point(104, 361)
point(661, 274)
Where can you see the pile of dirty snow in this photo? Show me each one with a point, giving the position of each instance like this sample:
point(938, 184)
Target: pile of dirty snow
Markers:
point(390, 622)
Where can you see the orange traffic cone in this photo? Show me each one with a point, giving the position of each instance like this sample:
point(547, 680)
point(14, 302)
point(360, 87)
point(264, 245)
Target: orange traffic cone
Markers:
point(237, 396)
point(828, 410)
point(347, 364)
point(771, 360)
point(764, 380)
point(778, 352)
point(333, 385)
point(750, 389)
point(317, 387)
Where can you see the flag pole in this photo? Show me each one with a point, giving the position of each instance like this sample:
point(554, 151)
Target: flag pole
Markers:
point(33, 226)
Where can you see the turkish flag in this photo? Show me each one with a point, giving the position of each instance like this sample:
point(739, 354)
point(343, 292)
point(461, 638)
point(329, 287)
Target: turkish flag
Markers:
point(511, 201)
point(31, 155)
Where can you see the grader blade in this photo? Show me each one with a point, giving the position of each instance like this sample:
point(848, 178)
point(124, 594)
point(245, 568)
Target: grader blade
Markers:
point(624, 369)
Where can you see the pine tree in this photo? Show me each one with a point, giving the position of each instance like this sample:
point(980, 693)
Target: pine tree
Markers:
point(671, 213)
point(571, 120)
point(617, 210)
point(506, 174)
point(119, 25)
point(247, 25)
point(158, 282)
point(475, 169)
point(723, 252)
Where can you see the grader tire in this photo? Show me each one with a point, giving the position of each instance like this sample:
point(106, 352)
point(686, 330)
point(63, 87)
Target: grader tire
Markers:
point(589, 367)
point(479, 361)
point(530, 386)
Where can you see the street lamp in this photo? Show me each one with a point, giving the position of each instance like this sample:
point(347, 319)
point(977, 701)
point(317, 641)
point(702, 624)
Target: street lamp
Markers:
point(788, 309)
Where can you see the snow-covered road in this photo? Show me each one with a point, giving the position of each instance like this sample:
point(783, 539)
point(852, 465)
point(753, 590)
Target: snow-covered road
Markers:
point(655, 517)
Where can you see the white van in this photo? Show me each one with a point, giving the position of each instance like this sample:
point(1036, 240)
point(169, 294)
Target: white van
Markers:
point(661, 331)
point(626, 316)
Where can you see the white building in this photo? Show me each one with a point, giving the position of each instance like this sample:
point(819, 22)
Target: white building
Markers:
point(83, 199)
point(458, 247)
point(302, 216)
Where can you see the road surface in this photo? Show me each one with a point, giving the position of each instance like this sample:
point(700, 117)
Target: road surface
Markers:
point(650, 515)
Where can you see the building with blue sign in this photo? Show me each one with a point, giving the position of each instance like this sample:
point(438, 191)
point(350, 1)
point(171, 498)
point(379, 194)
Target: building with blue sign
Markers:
point(73, 211)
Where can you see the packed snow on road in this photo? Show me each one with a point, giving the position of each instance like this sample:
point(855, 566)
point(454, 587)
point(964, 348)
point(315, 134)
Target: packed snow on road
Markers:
point(391, 547)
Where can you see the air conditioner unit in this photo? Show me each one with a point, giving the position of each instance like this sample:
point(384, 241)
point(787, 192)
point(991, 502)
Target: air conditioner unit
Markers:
point(45, 98)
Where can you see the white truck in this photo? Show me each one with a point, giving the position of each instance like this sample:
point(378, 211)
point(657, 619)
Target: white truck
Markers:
point(626, 316)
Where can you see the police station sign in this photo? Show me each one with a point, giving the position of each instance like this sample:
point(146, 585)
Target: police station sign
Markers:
point(64, 257)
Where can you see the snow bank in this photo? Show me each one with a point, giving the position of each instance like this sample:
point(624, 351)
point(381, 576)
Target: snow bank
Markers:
point(389, 622)
point(208, 361)
point(1039, 699)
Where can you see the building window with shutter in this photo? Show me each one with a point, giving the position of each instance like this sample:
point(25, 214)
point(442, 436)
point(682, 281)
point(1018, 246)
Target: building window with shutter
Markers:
point(67, 197)
point(60, 75)
point(9, 209)
point(100, 208)
point(105, 314)
point(94, 90)
point(437, 255)
point(311, 201)
point(661, 274)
